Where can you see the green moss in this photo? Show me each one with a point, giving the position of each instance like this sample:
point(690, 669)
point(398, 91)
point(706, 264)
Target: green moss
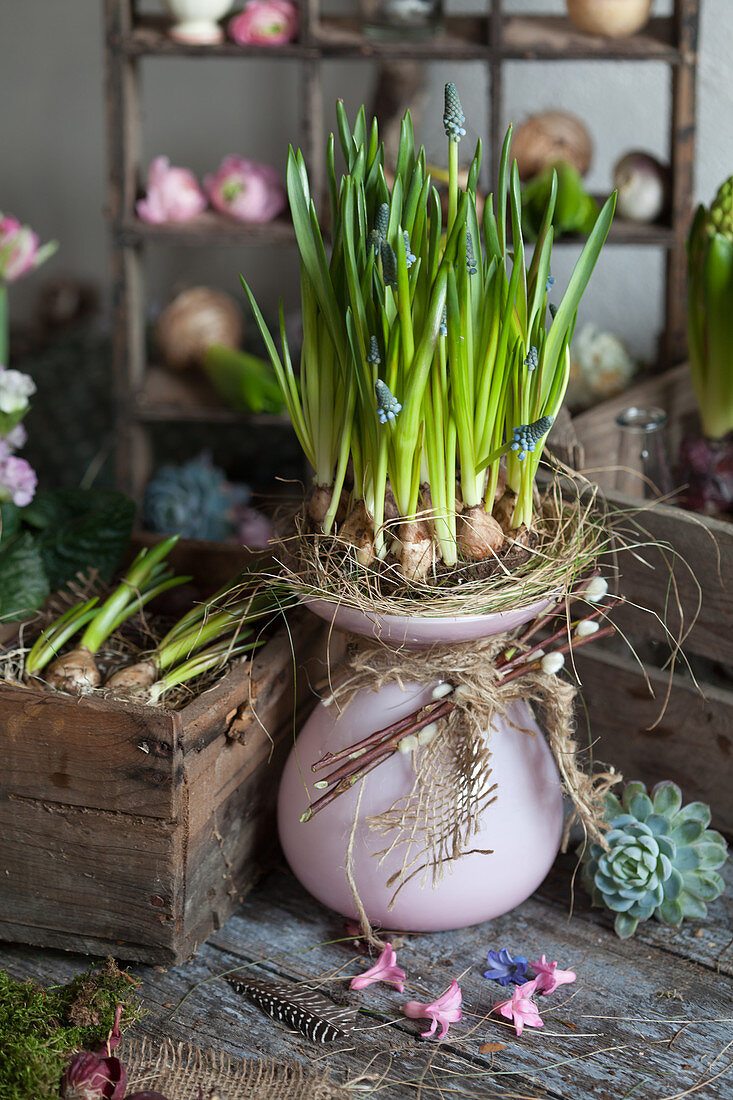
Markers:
point(41, 1028)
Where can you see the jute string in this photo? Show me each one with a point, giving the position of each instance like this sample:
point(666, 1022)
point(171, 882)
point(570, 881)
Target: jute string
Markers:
point(178, 1070)
point(434, 824)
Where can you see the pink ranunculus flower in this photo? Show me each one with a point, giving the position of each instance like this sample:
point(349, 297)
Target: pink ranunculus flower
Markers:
point(18, 480)
point(520, 1008)
point(265, 23)
point(246, 190)
point(446, 1010)
point(173, 194)
point(19, 250)
point(385, 969)
point(549, 977)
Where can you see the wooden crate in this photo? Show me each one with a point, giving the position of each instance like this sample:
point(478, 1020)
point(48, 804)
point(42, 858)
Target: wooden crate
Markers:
point(136, 831)
point(692, 743)
point(595, 433)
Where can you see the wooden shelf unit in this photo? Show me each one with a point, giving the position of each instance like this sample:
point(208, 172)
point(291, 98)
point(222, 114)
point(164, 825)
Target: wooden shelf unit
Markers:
point(494, 38)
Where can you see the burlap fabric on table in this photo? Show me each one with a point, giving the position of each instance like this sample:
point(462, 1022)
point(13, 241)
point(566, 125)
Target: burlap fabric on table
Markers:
point(177, 1070)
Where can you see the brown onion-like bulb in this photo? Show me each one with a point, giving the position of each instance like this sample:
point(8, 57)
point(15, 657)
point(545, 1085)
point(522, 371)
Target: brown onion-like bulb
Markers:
point(548, 137)
point(194, 320)
point(642, 183)
point(610, 18)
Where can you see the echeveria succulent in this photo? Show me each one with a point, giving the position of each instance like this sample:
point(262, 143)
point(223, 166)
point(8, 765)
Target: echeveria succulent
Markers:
point(661, 859)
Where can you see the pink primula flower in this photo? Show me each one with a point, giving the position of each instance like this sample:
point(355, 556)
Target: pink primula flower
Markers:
point(19, 250)
point(265, 23)
point(446, 1010)
point(246, 190)
point(549, 977)
point(385, 969)
point(520, 1008)
point(18, 480)
point(173, 195)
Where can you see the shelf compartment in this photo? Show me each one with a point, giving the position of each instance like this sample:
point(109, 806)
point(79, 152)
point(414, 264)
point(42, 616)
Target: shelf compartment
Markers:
point(622, 232)
point(207, 228)
point(555, 38)
point(463, 38)
point(150, 38)
point(168, 395)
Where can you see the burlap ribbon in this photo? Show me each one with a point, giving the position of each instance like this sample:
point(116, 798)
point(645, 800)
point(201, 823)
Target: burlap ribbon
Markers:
point(437, 820)
point(178, 1070)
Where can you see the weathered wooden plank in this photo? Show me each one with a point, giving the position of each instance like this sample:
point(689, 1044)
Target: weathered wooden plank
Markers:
point(698, 551)
point(682, 164)
point(72, 877)
point(619, 1002)
point(91, 752)
point(633, 1021)
point(707, 943)
point(691, 744)
point(554, 37)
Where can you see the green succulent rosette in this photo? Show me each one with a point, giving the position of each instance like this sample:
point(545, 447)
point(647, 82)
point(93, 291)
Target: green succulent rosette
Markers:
point(661, 859)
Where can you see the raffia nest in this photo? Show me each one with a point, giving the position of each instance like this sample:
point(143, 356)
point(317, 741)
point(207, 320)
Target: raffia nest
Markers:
point(569, 537)
point(131, 643)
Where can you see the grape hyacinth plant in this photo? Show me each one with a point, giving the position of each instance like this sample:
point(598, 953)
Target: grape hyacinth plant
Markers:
point(431, 369)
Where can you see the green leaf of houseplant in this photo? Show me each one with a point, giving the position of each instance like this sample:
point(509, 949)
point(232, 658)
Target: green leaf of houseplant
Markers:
point(23, 582)
point(80, 528)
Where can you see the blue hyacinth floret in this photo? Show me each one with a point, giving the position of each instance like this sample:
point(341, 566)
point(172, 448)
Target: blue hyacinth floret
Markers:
point(387, 404)
point(550, 283)
point(443, 330)
point(409, 256)
point(453, 116)
point(373, 355)
point(532, 359)
point(505, 969)
point(527, 436)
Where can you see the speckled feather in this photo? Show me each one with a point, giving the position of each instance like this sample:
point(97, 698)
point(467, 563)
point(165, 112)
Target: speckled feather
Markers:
point(310, 1013)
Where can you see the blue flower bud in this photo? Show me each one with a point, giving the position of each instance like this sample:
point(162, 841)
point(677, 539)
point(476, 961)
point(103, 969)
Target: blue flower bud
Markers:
point(527, 436)
point(408, 251)
point(453, 116)
point(389, 264)
point(373, 356)
point(470, 259)
point(532, 359)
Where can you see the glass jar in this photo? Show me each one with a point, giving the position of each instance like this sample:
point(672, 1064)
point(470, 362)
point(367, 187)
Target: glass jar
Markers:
point(642, 463)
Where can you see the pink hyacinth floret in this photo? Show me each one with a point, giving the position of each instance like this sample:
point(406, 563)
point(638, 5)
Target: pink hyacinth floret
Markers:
point(385, 969)
point(173, 195)
point(265, 23)
point(520, 1008)
point(445, 1011)
point(18, 480)
point(16, 439)
point(246, 190)
point(549, 977)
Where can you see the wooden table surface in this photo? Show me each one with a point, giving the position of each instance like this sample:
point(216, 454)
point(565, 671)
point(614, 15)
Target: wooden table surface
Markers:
point(649, 1018)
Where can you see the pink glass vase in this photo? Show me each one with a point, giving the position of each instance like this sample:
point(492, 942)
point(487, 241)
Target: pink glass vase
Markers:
point(522, 826)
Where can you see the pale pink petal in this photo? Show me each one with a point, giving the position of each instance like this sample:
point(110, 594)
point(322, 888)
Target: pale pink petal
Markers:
point(444, 1011)
point(385, 969)
point(549, 977)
